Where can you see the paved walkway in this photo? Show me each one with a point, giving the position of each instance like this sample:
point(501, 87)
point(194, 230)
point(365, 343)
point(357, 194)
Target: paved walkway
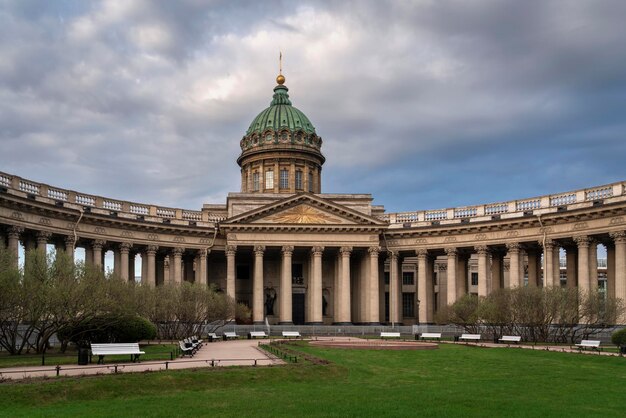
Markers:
point(553, 348)
point(217, 354)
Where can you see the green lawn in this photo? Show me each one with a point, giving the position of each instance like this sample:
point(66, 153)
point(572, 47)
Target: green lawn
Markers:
point(53, 357)
point(451, 381)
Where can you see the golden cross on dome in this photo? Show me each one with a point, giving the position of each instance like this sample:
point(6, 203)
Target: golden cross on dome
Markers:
point(281, 78)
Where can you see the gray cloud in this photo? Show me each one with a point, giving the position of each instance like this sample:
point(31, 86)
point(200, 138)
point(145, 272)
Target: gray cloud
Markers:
point(422, 104)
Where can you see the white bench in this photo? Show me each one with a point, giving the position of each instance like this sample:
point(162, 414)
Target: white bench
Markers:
point(470, 337)
point(228, 335)
point(511, 339)
point(430, 335)
point(291, 334)
point(213, 337)
point(102, 350)
point(585, 344)
point(257, 334)
point(389, 335)
point(186, 351)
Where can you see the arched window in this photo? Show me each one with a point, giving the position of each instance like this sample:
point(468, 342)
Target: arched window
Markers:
point(299, 180)
point(310, 181)
point(255, 181)
point(269, 179)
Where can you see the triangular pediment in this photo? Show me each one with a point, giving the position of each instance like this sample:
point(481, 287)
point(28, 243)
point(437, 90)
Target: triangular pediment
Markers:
point(302, 210)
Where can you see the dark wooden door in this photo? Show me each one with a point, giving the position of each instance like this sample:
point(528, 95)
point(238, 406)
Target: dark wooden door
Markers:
point(297, 308)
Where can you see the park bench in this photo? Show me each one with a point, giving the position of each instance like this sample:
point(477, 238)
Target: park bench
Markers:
point(389, 335)
point(257, 334)
point(213, 337)
point(430, 335)
point(196, 340)
point(186, 350)
point(230, 335)
point(470, 337)
point(291, 334)
point(188, 343)
point(585, 344)
point(511, 339)
point(102, 350)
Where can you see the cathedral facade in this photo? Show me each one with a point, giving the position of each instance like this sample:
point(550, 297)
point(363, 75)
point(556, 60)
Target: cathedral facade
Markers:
point(296, 255)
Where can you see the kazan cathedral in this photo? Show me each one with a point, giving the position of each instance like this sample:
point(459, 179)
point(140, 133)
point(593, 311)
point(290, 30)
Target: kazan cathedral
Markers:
point(296, 255)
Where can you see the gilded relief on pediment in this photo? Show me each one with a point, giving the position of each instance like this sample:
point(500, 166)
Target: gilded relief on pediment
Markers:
point(302, 214)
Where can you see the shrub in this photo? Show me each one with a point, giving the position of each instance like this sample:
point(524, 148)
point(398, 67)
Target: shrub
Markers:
point(619, 338)
point(109, 329)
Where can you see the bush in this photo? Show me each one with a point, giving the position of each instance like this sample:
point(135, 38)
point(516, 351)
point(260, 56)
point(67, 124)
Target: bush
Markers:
point(619, 338)
point(109, 329)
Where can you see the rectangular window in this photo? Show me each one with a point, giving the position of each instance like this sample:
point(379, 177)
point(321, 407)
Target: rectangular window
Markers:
point(299, 180)
point(310, 182)
point(269, 179)
point(408, 305)
point(284, 179)
point(408, 278)
point(386, 277)
point(474, 279)
point(255, 181)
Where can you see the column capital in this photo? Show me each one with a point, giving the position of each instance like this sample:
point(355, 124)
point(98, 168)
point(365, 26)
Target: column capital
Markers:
point(317, 250)
point(178, 251)
point(125, 247)
point(548, 244)
point(392, 254)
point(259, 249)
point(69, 240)
point(97, 244)
point(618, 236)
point(374, 250)
point(287, 249)
point(231, 249)
point(43, 236)
point(581, 240)
point(451, 251)
point(421, 253)
point(151, 249)
point(15, 231)
point(481, 249)
point(345, 251)
point(203, 252)
point(513, 247)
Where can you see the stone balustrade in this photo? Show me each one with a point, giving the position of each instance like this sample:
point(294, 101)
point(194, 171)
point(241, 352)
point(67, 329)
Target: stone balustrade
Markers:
point(131, 210)
point(560, 202)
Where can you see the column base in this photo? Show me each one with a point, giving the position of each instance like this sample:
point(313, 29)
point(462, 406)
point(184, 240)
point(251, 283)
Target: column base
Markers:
point(258, 323)
point(285, 323)
point(343, 323)
point(315, 323)
point(372, 323)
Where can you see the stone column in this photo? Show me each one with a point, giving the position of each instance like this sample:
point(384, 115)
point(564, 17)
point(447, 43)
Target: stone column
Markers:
point(144, 267)
point(96, 247)
point(483, 269)
point(497, 268)
point(513, 249)
point(373, 314)
point(124, 250)
point(395, 288)
point(422, 285)
point(548, 263)
point(231, 274)
point(286, 307)
point(151, 265)
point(343, 316)
point(533, 269)
point(593, 264)
point(451, 276)
point(131, 265)
point(42, 241)
point(201, 270)
point(176, 260)
point(257, 285)
point(14, 243)
point(570, 254)
point(583, 262)
point(557, 264)
point(610, 269)
point(69, 242)
point(117, 261)
point(315, 285)
point(619, 238)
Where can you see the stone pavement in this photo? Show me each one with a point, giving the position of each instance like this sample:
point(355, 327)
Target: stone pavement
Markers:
point(217, 354)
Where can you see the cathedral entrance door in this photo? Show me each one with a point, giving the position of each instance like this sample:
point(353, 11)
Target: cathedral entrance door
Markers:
point(297, 308)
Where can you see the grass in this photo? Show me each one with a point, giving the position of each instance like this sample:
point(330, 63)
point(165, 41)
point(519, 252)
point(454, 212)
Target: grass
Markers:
point(54, 357)
point(454, 380)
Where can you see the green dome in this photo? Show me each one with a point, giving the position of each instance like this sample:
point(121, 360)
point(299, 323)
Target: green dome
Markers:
point(281, 115)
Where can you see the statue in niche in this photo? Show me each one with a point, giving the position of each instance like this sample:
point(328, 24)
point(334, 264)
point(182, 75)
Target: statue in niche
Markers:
point(325, 297)
point(270, 298)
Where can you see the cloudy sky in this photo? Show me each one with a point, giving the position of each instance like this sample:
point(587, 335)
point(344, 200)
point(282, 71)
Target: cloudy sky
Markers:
point(424, 104)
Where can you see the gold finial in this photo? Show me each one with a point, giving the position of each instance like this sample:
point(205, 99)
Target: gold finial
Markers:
point(281, 78)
